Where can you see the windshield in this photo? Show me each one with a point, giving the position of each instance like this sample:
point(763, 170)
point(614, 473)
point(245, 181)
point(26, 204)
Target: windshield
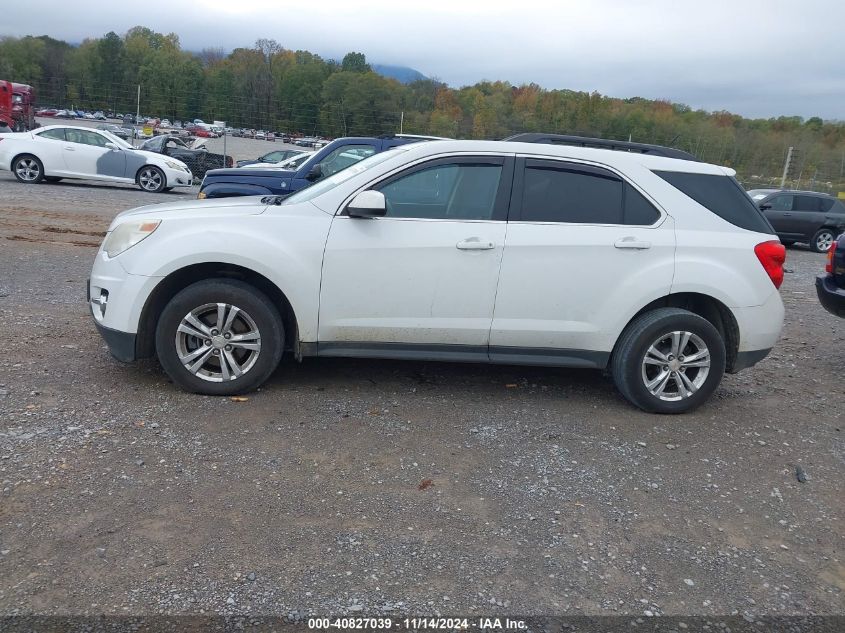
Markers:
point(116, 139)
point(294, 162)
point(327, 184)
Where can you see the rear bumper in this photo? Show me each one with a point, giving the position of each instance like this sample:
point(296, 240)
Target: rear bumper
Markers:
point(831, 296)
point(744, 360)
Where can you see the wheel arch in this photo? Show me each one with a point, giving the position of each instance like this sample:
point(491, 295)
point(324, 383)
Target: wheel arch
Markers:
point(705, 306)
point(22, 154)
point(179, 279)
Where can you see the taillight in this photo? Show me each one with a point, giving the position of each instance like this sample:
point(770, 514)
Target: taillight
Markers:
point(828, 268)
point(772, 256)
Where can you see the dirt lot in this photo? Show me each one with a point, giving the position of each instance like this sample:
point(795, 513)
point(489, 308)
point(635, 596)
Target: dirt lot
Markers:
point(395, 487)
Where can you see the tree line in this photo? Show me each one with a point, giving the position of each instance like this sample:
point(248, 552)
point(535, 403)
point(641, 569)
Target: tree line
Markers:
point(270, 87)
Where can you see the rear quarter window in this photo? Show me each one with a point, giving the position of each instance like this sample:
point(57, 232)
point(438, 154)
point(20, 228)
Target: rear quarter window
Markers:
point(721, 195)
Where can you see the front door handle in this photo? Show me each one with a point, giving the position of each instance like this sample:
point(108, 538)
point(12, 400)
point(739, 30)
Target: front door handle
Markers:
point(786, 215)
point(474, 244)
point(632, 242)
point(69, 149)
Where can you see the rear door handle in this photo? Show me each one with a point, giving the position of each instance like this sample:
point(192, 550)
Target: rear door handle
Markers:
point(474, 244)
point(69, 149)
point(631, 242)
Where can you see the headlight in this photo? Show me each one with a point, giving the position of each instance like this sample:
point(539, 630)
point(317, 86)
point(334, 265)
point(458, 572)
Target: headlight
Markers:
point(173, 165)
point(128, 234)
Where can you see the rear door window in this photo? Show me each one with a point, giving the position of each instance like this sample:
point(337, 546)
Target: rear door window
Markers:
point(807, 203)
point(721, 195)
point(554, 191)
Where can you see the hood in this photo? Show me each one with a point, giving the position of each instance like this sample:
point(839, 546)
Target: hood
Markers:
point(199, 142)
point(241, 205)
point(251, 170)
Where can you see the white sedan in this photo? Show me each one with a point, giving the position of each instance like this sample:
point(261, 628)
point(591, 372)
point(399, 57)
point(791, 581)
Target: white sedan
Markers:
point(62, 151)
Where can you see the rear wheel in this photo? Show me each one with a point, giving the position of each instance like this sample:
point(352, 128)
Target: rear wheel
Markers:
point(822, 240)
point(28, 169)
point(152, 179)
point(668, 360)
point(219, 337)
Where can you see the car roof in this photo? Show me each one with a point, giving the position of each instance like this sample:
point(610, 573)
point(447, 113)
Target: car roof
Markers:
point(598, 155)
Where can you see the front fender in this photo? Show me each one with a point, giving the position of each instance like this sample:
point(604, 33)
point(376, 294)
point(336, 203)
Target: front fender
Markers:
point(289, 254)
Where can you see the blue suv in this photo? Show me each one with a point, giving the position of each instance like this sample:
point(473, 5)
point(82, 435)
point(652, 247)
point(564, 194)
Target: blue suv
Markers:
point(337, 155)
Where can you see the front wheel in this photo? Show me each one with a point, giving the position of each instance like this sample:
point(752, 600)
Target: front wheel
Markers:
point(28, 169)
point(152, 179)
point(668, 360)
point(219, 337)
point(822, 240)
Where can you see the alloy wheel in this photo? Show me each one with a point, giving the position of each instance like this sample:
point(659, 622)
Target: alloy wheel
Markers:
point(28, 170)
point(150, 179)
point(824, 241)
point(675, 366)
point(218, 342)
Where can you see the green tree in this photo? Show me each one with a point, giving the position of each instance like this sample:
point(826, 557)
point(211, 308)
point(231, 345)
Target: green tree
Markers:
point(355, 63)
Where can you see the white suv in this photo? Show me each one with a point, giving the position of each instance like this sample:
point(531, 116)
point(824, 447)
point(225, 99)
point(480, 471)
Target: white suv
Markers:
point(661, 271)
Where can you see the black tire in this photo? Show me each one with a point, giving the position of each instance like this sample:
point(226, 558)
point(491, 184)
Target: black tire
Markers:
point(627, 363)
point(824, 235)
point(51, 179)
point(255, 304)
point(28, 169)
point(151, 179)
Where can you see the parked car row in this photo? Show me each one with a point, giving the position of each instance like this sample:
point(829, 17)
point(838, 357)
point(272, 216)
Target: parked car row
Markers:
point(54, 152)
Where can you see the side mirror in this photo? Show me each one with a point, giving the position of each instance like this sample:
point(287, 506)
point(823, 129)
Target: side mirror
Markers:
point(367, 204)
point(765, 207)
point(112, 146)
point(315, 173)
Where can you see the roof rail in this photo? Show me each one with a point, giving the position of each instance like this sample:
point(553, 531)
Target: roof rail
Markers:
point(601, 143)
point(422, 137)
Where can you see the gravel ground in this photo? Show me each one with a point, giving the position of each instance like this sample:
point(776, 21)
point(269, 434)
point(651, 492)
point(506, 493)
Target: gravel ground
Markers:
point(369, 487)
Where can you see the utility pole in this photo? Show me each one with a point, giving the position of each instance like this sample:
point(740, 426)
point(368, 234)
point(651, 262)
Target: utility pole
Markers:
point(786, 168)
point(402, 122)
point(138, 104)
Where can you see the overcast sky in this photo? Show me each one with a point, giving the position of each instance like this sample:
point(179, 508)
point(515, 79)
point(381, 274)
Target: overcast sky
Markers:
point(758, 58)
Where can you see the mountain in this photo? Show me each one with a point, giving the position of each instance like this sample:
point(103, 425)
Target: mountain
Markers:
point(402, 74)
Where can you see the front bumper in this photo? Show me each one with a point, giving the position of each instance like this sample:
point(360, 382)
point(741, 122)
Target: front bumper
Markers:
point(121, 344)
point(831, 296)
point(177, 178)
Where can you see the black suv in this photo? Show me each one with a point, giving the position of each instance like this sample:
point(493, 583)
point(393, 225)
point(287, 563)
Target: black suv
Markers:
point(802, 216)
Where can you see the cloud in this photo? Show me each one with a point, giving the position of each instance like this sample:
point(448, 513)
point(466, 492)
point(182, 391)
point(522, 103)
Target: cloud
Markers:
point(754, 57)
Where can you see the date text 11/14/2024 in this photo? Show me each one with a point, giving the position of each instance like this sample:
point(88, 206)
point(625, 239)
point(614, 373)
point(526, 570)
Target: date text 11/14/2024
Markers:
point(420, 623)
